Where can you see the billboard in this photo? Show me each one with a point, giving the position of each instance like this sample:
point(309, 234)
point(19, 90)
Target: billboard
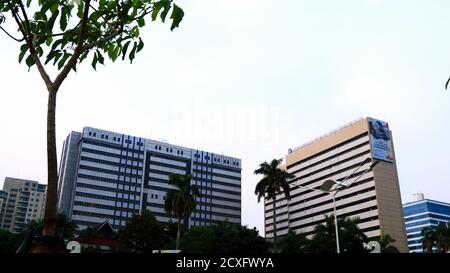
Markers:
point(381, 140)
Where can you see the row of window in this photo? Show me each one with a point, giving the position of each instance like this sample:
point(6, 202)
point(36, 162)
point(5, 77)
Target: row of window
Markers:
point(226, 161)
point(117, 139)
point(168, 150)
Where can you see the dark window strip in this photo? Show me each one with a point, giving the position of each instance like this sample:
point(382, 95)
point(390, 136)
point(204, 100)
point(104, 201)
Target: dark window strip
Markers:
point(218, 167)
point(200, 203)
point(96, 178)
point(366, 152)
point(84, 167)
point(269, 210)
point(345, 215)
point(166, 156)
point(112, 146)
point(325, 211)
point(215, 197)
point(194, 171)
point(117, 164)
point(337, 155)
point(88, 150)
point(357, 174)
point(328, 150)
point(96, 187)
point(101, 206)
point(109, 198)
point(154, 179)
point(167, 165)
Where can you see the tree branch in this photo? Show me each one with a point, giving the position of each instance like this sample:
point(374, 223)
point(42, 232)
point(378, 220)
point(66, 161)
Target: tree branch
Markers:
point(12, 37)
point(105, 39)
point(78, 50)
point(29, 40)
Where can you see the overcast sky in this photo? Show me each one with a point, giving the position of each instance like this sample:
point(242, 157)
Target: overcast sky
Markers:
point(251, 79)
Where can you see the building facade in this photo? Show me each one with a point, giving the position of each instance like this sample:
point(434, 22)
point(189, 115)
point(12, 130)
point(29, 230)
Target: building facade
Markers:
point(111, 176)
point(373, 195)
point(22, 201)
point(420, 214)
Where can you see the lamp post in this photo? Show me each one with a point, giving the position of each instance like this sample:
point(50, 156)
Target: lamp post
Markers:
point(327, 187)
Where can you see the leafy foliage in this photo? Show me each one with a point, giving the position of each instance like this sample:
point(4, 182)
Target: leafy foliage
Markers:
point(113, 28)
point(224, 238)
point(294, 243)
point(438, 236)
point(274, 182)
point(180, 202)
point(351, 238)
point(143, 233)
point(9, 242)
point(386, 242)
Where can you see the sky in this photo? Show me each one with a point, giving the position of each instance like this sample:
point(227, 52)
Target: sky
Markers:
point(251, 79)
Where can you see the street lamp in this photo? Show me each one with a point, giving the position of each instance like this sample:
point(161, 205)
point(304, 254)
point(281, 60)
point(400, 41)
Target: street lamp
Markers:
point(327, 187)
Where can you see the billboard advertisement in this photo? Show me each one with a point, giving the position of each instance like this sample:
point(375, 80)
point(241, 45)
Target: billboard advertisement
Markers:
point(381, 140)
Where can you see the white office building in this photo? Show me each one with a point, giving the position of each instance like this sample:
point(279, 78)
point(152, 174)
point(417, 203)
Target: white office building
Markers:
point(111, 176)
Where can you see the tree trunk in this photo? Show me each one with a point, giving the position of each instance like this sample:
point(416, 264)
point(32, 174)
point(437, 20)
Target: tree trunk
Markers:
point(274, 226)
point(178, 234)
point(52, 169)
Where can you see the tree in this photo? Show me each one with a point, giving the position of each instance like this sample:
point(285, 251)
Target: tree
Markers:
point(438, 236)
point(67, 32)
point(223, 238)
point(274, 182)
point(10, 242)
point(294, 243)
point(386, 242)
point(143, 233)
point(180, 202)
point(351, 238)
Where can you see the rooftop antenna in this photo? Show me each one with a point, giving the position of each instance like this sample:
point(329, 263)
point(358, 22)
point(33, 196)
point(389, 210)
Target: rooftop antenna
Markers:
point(420, 196)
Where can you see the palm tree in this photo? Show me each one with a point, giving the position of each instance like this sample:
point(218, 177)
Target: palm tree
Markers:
point(386, 242)
point(180, 202)
point(352, 239)
point(438, 236)
point(274, 181)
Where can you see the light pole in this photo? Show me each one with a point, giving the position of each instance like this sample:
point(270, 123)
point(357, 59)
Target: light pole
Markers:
point(327, 186)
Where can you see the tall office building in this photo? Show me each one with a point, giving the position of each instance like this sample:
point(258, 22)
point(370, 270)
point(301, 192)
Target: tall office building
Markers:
point(110, 176)
point(347, 152)
point(420, 214)
point(21, 201)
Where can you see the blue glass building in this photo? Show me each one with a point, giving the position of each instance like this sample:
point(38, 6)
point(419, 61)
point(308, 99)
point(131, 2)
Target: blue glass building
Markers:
point(421, 214)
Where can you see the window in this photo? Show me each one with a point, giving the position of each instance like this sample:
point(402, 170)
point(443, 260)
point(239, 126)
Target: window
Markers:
point(95, 134)
point(118, 139)
point(90, 133)
point(181, 152)
point(156, 147)
point(107, 136)
point(114, 138)
point(103, 135)
point(170, 149)
point(167, 149)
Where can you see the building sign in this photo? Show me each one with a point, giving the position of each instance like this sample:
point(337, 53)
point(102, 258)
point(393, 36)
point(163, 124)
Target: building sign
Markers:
point(381, 140)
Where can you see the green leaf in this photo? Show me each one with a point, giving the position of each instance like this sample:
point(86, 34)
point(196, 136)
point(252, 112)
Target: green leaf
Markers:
point(177, 16)
point(94, 62)
point(157, 7)
point(23, 50)
point(63, 19)
point(140, 45)
point(165, 11)
point(141, 22)
point(124, 50)
point(63, 60)
point(29, 61)
point(133, 52)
